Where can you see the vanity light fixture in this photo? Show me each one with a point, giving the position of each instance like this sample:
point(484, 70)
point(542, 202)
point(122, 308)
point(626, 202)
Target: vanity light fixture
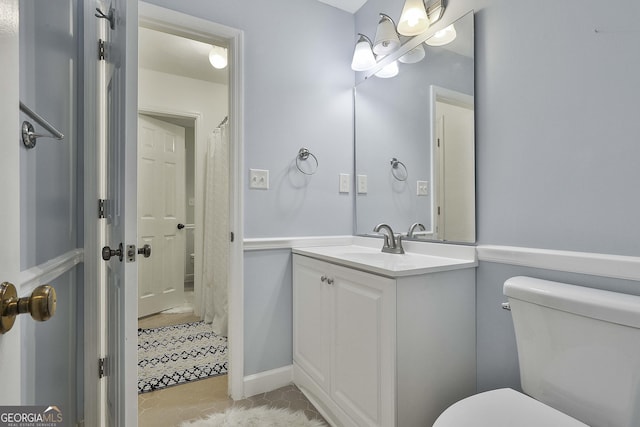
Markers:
point(415, 55)
point(416, 18)
point(218, 57)
point(443, 37)
point(387, 39)
point(389, 70)
point(363, 57)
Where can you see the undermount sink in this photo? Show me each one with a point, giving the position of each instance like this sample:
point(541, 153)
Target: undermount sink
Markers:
point(386, 264)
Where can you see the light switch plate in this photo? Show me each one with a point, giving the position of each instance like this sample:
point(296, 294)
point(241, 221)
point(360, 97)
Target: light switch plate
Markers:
point(362, 184)
point(344, 183)
point(259, 179)
point(422, 188)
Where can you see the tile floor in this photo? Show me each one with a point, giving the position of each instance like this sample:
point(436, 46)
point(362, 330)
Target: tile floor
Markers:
point(171, 406)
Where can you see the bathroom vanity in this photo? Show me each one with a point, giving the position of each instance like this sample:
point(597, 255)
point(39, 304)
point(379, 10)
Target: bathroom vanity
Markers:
point(384, 339)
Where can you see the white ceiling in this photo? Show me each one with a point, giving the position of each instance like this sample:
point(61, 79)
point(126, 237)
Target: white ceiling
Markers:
point(177, 55)
point(350, 6)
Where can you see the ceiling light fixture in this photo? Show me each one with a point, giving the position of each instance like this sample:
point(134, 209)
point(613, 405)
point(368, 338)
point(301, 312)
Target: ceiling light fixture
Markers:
point(218, 57)
point(387, 39)
point(363, 57)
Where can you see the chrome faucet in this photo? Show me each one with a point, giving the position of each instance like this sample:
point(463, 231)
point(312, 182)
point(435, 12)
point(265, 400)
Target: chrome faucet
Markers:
point(392, 244)
point(412, 229)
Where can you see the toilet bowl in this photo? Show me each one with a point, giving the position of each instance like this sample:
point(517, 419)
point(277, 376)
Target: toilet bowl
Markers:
point(504, 407)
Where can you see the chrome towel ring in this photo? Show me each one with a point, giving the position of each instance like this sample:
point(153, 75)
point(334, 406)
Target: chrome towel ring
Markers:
point(396, 171)
point(303, 156)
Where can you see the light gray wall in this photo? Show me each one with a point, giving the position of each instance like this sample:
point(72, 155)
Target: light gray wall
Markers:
point(268, 316)
point(556, 132)
point(557, 143)
point(297, 84)
point(297, 94)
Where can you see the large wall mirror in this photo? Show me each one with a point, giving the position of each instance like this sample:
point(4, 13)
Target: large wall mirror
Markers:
point(415, 141)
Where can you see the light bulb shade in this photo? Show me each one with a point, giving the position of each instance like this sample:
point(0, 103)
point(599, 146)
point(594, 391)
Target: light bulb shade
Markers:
point(414, 19)
point(218, 57)
point(389, 70)
point(363, 58)
point(387, 39)
point(414, 55)
point(442, 37)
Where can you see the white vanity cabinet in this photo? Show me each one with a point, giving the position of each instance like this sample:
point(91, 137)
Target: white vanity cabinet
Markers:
point(371, 350)
point(344, 340)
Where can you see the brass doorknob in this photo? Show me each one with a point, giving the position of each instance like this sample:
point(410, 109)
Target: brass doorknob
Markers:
point(41, 304)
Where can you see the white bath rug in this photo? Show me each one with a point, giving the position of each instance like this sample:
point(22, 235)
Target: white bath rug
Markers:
point(262, 416)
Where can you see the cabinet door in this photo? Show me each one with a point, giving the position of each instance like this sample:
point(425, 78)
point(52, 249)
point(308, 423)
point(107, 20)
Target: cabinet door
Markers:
point(311, 349)
point(363, 361)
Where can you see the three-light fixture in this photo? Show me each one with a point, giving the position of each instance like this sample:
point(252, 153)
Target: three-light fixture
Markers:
point(415, 19)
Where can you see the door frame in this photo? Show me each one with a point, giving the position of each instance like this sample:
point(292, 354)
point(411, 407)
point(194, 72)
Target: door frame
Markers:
point(10, 345)
point(178, 23)
point(452, 97)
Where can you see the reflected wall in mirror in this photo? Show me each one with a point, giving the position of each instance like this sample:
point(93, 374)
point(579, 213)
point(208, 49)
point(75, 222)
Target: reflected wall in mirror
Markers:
point(424, 119)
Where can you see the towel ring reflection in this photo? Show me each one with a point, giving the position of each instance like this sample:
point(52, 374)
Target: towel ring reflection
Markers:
point(395, 163)
point(303, 156)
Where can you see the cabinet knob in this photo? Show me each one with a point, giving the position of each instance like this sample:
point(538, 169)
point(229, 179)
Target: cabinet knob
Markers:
point(323, 279)
point(330, 281)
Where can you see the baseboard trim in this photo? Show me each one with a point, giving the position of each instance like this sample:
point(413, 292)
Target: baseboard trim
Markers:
point(605, 265)
point(263, 382)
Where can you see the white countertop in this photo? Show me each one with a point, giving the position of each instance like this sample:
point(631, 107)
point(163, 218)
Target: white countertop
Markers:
point(418, 258)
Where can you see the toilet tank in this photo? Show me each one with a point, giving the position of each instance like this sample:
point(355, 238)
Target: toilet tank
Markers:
point(579, 349)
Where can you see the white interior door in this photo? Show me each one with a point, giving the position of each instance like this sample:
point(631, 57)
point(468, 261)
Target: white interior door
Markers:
point(119, 166)
point(161, 208)
point(457, 169)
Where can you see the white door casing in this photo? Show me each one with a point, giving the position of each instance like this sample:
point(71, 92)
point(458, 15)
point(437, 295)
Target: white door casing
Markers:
point(170, 21)
point(161, 207)
point(10, 347)
point(453, 148)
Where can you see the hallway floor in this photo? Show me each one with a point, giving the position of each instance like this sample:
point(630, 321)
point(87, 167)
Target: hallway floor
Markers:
point(171, 406)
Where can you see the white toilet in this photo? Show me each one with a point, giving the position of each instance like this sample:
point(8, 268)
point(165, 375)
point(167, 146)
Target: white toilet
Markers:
point(579, 354)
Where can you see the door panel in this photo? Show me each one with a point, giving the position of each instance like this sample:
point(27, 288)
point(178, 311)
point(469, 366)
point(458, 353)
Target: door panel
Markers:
point(120, 279)
point(38, 189)
point(161, 207)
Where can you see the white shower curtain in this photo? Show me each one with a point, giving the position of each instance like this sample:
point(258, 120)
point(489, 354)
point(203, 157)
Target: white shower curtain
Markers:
point(212, 300)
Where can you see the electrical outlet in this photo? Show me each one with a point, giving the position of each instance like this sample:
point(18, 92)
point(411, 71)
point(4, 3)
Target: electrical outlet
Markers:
point(362, 184)
point(344, 183)
point(422, 188)
point(259, 179)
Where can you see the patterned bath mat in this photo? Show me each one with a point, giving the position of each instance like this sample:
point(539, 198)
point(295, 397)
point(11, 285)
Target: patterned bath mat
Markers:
point(178, 354)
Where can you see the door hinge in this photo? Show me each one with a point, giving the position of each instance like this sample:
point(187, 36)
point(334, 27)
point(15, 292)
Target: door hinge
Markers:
point(232, 237)
point(101, 50)
point(101, 204)
point(102, 370)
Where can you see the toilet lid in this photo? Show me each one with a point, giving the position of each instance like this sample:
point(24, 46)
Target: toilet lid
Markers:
point(504, 407)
